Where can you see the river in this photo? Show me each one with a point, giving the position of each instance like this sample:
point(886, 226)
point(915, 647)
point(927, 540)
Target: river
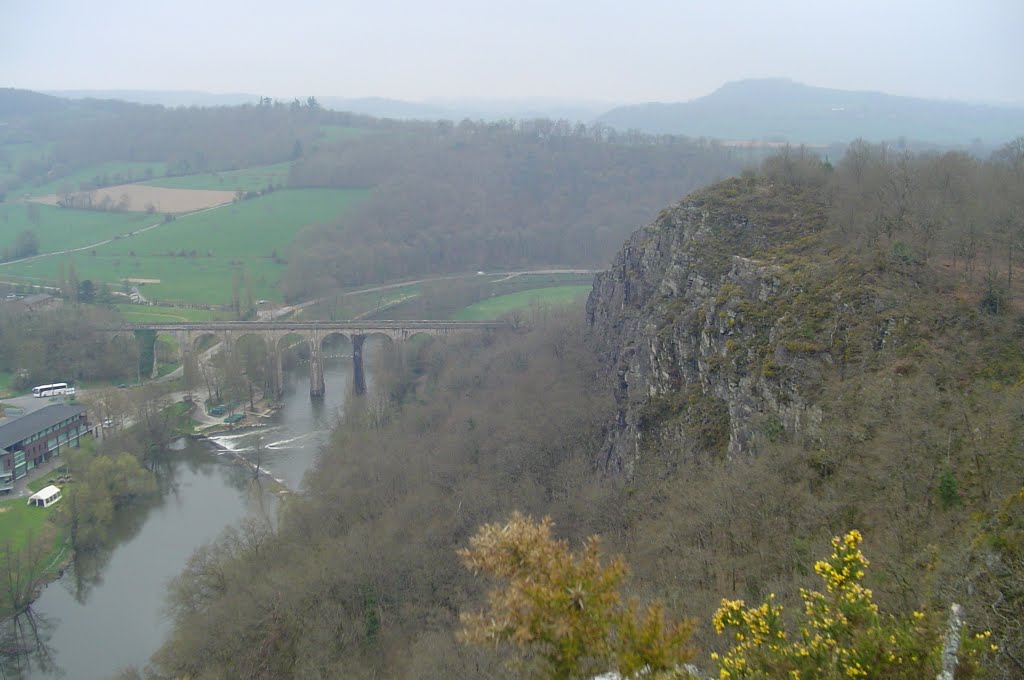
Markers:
point(106, 614)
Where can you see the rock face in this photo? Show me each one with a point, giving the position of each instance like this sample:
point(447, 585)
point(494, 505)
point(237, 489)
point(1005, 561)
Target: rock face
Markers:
point(690, 319)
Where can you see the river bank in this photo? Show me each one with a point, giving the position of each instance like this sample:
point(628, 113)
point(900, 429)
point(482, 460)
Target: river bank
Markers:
point(19, 524)
point(108, 610)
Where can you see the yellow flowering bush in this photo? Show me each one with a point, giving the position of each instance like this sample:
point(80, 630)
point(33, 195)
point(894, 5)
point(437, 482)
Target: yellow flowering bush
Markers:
point(564, 611)
point(564, 614)
point(843, 635)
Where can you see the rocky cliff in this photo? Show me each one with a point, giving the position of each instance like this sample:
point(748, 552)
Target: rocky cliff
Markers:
point(697, 324)
point(836, 379)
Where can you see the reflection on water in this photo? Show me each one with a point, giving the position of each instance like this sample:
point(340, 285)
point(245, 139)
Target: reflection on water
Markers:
point(106, 610)
point(25, 646)
point(106, 613)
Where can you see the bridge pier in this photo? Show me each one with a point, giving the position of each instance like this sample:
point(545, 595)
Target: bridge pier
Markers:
point(316, 368)
point(189, 364)
point(278, 371)
point(358, 376)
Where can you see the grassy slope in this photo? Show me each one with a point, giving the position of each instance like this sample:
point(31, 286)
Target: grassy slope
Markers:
point(18, 520)
point(110, 173)
point(395, 302)
point(249, 179)
point(358, 304)
point(248, 232)
point(492, 308)
point(12, 155)
point(144, 313)
point(61, 229)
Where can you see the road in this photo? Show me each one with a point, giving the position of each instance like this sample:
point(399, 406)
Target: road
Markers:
point(28, 403)
point(270, 314)
point(105, 242)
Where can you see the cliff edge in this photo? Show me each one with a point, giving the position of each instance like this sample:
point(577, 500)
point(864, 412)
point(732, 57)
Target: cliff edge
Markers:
point(700, 326)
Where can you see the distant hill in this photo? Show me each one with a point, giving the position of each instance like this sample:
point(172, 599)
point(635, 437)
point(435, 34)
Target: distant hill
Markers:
point(474, 109)
point(378, 107)
point(778, 109)
point(161, 97)
point(25, 111)
point(373, 106)
point(17, 103)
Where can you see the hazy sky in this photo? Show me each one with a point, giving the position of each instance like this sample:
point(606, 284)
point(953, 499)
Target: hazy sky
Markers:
point(645, 50)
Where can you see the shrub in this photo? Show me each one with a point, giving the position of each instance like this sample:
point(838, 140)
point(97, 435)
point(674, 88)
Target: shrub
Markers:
point(564, 611)
point(843, 635)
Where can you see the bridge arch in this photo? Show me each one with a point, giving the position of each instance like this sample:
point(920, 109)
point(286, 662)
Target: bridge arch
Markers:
point(331, 340)
point(286, 341)
point(281, 342)
point(203, 340)
point(193, 345)
point(381, 337)
point(251, 361)
point(244, 340)
point(166, 349)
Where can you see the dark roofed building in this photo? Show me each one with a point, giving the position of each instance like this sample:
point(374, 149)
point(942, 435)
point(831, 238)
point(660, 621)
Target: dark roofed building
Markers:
point(35, 438)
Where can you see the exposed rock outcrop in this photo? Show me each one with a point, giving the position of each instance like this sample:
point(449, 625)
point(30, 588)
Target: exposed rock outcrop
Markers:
point(692, 320)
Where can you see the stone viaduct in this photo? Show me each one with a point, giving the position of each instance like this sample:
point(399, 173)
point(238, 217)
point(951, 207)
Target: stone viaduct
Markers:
point(280, 335)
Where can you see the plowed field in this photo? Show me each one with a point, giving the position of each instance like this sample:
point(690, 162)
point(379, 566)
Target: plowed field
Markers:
point(139, 198)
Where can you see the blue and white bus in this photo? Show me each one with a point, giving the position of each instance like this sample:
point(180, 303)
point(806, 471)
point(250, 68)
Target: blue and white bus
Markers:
point(52, 390)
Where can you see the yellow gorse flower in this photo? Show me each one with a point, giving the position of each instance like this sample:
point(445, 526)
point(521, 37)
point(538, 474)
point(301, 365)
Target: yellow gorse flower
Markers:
point(842, 635)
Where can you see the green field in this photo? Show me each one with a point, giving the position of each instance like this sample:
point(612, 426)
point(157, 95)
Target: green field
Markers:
point(147, 314)
point(511, 284)
point(12, 155)
point(250, 179)
point(105, 174)
point(18, 520)
point(556, 296)
point(195, 257)
point(396, 301)
point(59, 229)
point(357, 304)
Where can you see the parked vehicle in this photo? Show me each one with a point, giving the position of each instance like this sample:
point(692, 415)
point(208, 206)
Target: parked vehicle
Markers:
point(51, 390)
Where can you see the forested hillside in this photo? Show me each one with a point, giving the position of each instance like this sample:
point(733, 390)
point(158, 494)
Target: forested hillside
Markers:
point(478, 196)
point(779, 359)
point(360, 579)
point(427, 198)
point(50, 138)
